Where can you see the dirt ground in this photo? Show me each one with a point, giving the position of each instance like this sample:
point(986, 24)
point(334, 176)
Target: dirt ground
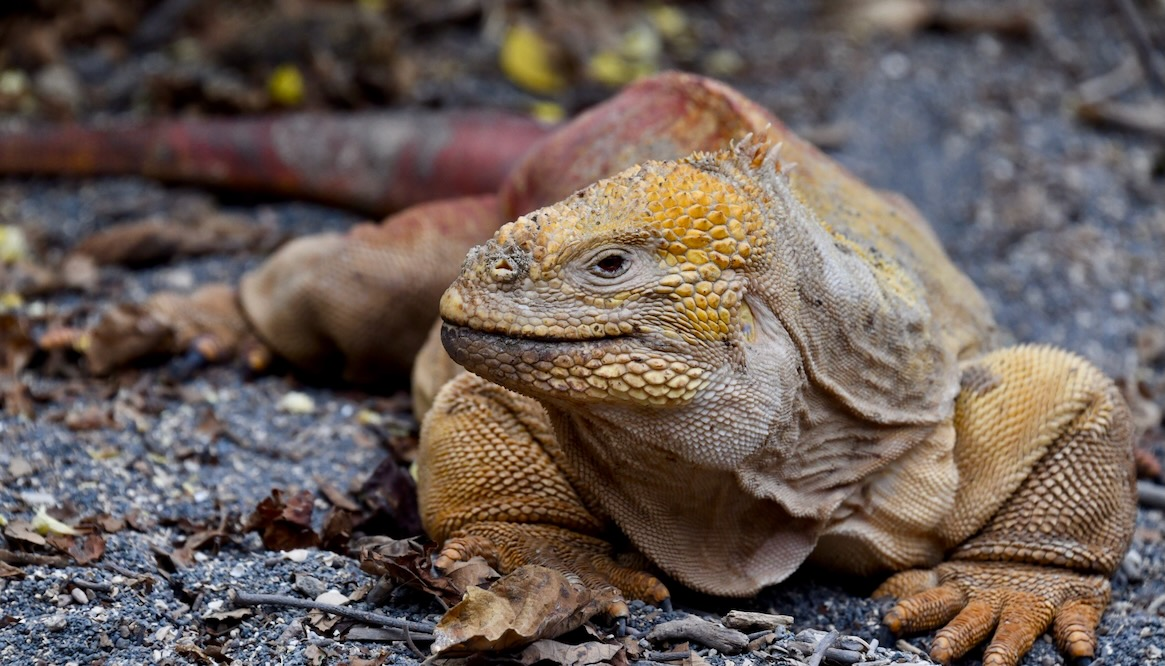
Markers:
point(1023, 131)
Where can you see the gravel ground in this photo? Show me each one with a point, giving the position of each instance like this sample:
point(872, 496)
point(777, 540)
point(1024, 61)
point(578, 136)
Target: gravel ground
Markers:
point(1062, 225)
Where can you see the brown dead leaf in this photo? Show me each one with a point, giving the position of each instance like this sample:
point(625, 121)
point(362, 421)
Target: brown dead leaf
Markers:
point(218, 623)
point(284, 524)
point(124, 333)
point(16, 343)
point(339, 525)
point(568, 655)
point(9, 571)
point(406, 562)
point(198, 655)
point(84, 548)
point(474, 572)
point(104, 522)
point(201, 537)
point(90, 417)
point(139, 521)
point(337, 497)
point(391, 494)
point(23, 531)
point(530, 603)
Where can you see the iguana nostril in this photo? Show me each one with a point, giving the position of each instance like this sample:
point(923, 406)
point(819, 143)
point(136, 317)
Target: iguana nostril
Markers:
point(503, 269)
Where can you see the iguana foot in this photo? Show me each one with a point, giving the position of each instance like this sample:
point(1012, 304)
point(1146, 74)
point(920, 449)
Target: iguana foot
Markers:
point(1017, 602)
point(590, 559)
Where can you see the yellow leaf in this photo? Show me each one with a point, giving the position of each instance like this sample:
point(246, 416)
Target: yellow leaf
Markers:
point(547, 112)
point(44, 524)
point(609, 68)
point(528, 61)
point(13, 244)
point(285, 86)
point(670, 21)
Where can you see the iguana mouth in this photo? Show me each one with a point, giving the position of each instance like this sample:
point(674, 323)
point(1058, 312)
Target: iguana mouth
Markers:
point(595, 369)
point(531, 336)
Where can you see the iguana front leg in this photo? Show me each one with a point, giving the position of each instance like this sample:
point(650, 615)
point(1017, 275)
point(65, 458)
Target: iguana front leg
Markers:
point(1044, 453)
point(488, 486)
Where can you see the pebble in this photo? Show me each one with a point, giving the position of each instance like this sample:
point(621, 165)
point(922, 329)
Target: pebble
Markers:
point(56, 622)
point(79, 595)
point(309, 586)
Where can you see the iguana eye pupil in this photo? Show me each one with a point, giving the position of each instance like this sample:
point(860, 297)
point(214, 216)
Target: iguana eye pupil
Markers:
point(612, 265)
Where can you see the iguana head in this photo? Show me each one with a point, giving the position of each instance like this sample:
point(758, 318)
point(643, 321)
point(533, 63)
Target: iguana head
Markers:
point(631, 290)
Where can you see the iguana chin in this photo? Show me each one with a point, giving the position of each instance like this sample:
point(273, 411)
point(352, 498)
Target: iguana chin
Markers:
point(741, 365)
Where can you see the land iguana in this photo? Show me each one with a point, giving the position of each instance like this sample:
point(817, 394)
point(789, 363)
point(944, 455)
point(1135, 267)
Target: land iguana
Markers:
point(739, 362)
point(745, 360)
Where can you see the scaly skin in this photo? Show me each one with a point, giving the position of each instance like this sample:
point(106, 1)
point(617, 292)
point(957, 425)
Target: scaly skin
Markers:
point(739, 366)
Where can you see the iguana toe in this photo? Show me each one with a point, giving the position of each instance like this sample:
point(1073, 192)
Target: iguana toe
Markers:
point(1012, 604)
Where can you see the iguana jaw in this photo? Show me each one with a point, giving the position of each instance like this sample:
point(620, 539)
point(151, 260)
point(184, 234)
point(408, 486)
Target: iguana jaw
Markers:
point(609, 369)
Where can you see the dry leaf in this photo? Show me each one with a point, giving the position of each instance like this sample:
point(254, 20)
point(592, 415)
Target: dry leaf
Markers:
point(22, 530)
point(284, 525)
point(473, 572)
point(568, 655)
point(530, 603)
point(391, 494)
point(83, 548)
point(218, 623)
point(124, 333)
point(406, 562)
point(9, 571)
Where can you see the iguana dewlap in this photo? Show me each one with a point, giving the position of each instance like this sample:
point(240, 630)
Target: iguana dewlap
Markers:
point(740, 365)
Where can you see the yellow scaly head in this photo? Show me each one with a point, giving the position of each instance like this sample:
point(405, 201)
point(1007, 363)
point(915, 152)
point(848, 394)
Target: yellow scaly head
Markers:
point(629, 290)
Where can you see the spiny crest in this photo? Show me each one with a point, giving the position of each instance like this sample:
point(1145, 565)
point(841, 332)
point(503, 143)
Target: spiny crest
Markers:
point(763, 153)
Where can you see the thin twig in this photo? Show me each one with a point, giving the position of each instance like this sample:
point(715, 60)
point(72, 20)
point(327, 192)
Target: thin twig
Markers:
point(824, 644)
point(240, 599)
point(123, 571)
point(92, 585)
point(678, 655)
point(1142, 43)
point(412, 646)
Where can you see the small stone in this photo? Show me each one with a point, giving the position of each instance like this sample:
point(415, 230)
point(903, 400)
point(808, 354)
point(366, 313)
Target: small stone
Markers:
point(309, 586)
point(295, 402)
point(299, 555)
point(58, 84)
point(56, 622)
point(334, 597)
point(79, 595)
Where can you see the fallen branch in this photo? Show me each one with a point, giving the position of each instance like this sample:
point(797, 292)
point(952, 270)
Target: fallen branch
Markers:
point(18, 558)
point(420, 630)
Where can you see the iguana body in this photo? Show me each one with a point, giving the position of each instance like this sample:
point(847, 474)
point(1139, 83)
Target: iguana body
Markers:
point(741, 365)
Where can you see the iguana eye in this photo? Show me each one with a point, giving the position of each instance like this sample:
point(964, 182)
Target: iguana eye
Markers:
point(611, 265)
